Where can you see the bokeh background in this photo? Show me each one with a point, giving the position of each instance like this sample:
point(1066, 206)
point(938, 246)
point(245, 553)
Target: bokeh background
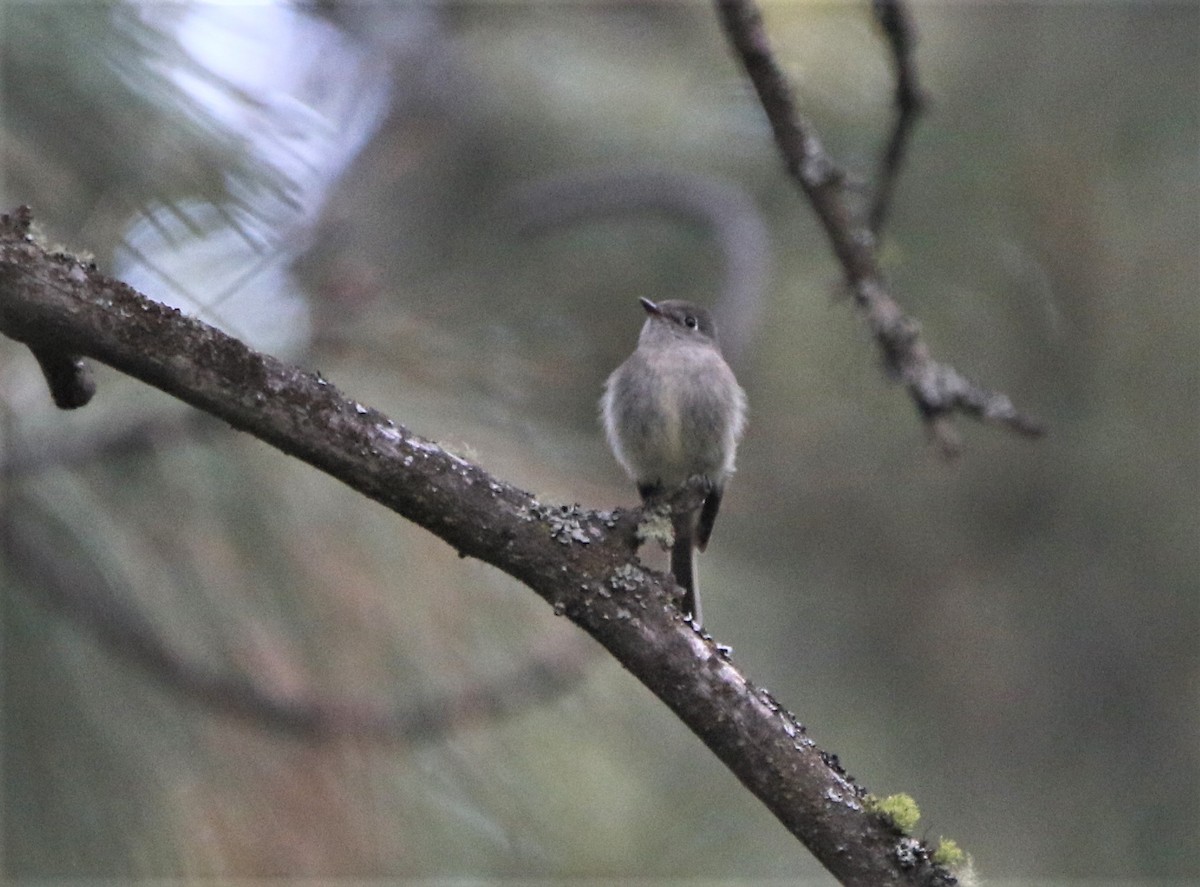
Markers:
point(450, 211)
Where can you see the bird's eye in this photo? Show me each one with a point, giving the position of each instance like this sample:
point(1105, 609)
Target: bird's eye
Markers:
point(690, 322)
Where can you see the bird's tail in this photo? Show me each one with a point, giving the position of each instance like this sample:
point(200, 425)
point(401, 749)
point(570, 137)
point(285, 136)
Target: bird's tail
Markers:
point(683, 565)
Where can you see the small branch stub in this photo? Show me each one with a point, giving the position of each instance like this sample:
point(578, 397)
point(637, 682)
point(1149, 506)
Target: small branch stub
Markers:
point(67, 375)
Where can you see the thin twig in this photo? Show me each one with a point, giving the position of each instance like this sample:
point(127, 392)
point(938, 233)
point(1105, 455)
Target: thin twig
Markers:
point(908, 99)
point(938, 390)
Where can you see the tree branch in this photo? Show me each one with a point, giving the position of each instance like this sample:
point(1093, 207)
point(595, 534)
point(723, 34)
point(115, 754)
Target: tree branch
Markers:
point(581, 562)
point(938, 390)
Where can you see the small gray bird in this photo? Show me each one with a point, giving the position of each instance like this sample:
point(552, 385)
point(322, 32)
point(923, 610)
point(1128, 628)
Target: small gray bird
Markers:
point(673, 410)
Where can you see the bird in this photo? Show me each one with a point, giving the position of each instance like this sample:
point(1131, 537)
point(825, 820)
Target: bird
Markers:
point(673, 411)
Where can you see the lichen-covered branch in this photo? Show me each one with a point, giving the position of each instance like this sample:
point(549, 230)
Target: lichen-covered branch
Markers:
point(581, 562)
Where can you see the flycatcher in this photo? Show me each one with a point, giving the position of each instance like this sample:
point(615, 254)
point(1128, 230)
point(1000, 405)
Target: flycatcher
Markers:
point(672, 411)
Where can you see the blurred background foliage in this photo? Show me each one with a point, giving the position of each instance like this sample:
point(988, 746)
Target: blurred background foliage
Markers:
point(1011, 638)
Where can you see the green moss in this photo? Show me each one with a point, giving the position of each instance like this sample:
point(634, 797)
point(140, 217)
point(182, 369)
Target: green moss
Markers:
point(948, 854)
point(901, 809)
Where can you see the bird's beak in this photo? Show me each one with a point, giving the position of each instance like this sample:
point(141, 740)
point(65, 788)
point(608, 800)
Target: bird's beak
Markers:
point(651, 307)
